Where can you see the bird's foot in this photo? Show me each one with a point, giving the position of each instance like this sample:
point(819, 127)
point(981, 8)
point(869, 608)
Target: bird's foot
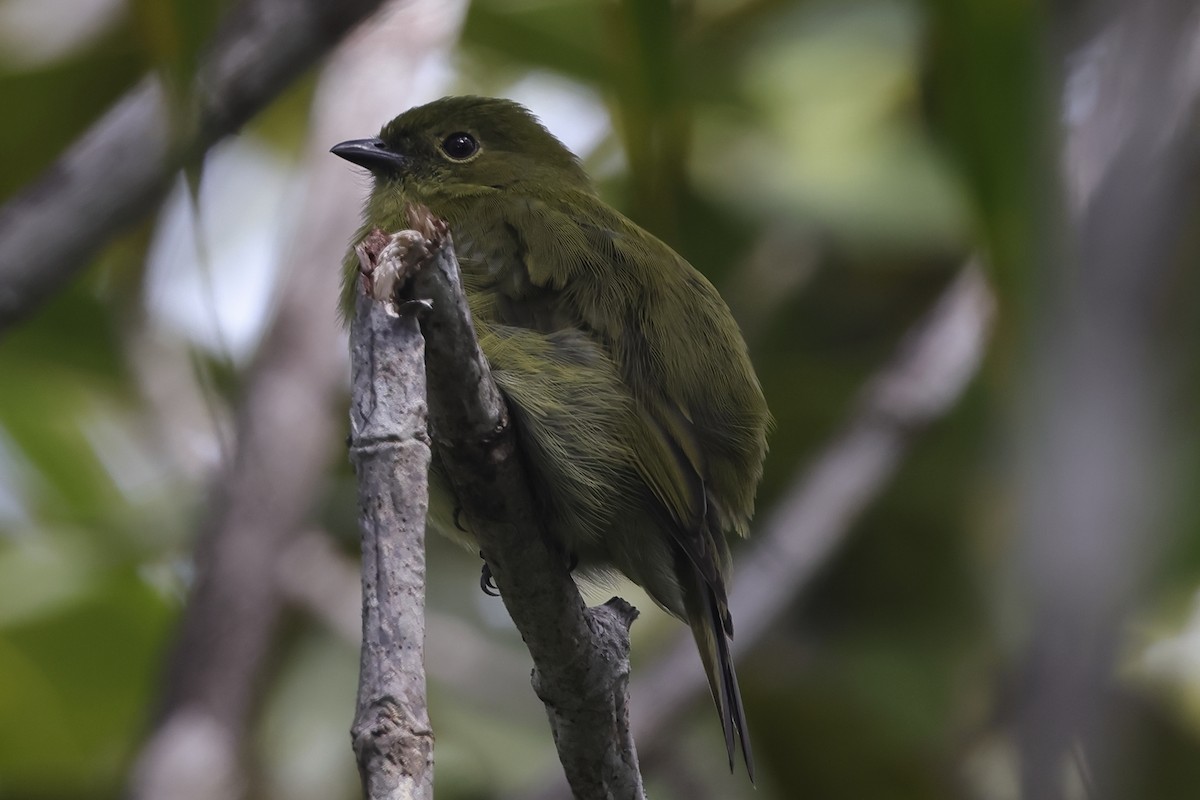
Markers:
point(388, 263)
point(487, 582)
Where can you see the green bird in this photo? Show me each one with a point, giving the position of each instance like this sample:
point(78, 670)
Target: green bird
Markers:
point(633, 397)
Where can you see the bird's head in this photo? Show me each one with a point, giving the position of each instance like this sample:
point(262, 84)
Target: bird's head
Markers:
point(464, 145)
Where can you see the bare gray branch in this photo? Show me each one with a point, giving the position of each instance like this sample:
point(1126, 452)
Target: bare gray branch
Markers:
point(580, 655)
point(390, 450)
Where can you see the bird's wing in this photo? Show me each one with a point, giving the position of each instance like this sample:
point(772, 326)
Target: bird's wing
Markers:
point(595, 265)
point(671, 464)
point(608, 277)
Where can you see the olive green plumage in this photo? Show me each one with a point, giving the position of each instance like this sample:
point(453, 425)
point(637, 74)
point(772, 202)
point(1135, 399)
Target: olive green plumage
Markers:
point(635, 402)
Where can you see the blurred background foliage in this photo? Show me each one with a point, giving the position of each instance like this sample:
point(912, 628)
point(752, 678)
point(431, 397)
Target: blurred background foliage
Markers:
point(830, 164)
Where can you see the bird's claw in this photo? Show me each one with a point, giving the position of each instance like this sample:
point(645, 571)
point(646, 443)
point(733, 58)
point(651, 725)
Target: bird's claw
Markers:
point(386, 263)
point(487, 581)
point(368, 252)
point(433, 229)
point(416, 308)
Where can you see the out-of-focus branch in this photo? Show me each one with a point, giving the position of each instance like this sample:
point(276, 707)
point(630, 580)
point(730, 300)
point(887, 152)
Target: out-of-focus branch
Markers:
point(932, 367)
point(124, 163)
point(285, 437)
point(580, 655)
point(389, 447)
point(1094, 474)
point(286, 429)
point(929, 372)
point(322, 582)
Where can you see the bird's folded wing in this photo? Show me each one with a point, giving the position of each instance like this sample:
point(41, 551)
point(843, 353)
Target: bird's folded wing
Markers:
point(671, 463)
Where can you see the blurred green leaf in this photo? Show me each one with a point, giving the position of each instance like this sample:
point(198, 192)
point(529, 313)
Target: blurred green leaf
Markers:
point(173, 33)
point(74, 690)
point(986, 97)
point(57, 102)
point(565, 36)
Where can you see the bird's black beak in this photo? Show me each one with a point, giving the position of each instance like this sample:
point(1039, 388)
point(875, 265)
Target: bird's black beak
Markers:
point(370, 153)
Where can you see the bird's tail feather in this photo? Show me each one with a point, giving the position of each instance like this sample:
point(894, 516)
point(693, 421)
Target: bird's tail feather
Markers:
point(709, 620)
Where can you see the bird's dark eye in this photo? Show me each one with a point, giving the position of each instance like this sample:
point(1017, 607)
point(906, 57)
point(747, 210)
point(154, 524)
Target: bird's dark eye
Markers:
point(460, 146)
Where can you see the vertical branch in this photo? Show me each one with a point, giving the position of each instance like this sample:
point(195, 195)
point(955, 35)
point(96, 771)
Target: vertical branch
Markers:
point(580, 655)
point(1094, 465)
point(285, 434)
point(287, 426)
point(389, 447)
